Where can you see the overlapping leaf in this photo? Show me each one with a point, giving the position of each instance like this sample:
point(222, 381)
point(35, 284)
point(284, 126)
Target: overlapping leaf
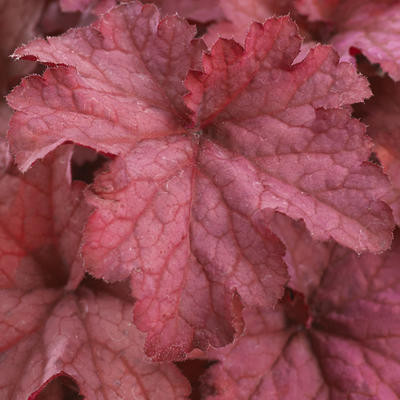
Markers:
point(239, 14)
point(349, 350)
point(370, 26)
point(42, 219)
point(88, 336)
point(180, 211)
point(126, 84)
point(190, 244)
point(305, 257)
point(296, 142)
point(47, 331)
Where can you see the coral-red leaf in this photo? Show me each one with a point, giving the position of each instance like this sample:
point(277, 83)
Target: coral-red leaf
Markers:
point(284, 119)
point(123, 83)
point(47, 331)
point(190, 243)
point(372, 27)
point(181, 211)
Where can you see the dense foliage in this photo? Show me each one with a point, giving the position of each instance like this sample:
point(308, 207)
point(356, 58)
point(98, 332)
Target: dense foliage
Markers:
point(198, 199)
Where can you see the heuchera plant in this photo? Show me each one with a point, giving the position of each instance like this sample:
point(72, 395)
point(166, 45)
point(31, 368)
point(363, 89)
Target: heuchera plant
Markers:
point(198, 200)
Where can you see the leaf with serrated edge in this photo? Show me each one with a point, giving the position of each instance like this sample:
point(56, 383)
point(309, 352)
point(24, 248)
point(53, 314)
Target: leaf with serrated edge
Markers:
point(350, 349)
point(264, 134)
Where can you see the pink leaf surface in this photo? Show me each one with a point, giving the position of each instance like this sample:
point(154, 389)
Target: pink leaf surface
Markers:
point(213, 162)
point(295, 147)
point(200, 11)
point(305, 257)
point(240, 14)
point(87, 336)
point(42, 218)
point(186, 196)
point(48, 331)
point(127, 80)
point(350, 350)
point(374, 29)
point(190, 243)
point(370, 26)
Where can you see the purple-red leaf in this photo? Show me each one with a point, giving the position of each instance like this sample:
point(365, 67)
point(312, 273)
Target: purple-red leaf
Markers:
point(350, 349)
